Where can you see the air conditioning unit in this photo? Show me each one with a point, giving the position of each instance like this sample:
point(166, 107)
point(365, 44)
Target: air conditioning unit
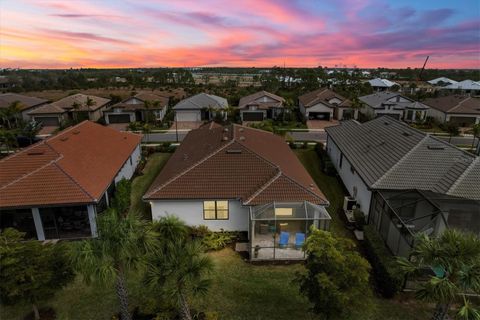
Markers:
point(349, 203)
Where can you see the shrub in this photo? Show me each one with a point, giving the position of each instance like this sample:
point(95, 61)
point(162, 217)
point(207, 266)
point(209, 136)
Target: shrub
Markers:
point(212, 240)
point(386, 271)
point(329, 168)
point(199, 231)
point(359, 217)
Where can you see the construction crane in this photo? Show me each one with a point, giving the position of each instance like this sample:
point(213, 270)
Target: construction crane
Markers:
point(419, 78)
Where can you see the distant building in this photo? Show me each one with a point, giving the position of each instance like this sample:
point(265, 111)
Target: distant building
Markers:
point(326, 104)
point(27, 103)
point(134, 109)
point(462, 110)
point(442, 82)
point(465, 86)
point(379, 84)
point(393, 104)
point(260, 106)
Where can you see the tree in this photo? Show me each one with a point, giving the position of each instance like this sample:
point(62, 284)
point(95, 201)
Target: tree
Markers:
point(11, 114)
point(121, 201)
point(180, 268)
point(31, 129)
point(30, 271)
point(120, 247)
point(454, 257)
point(147, 105)
point(146, 130)
point(336, 281)
point(76, 106)
point(475, 133)
point(8, 138)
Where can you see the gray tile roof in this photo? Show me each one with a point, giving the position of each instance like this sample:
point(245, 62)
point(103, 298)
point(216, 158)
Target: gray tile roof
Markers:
point(388, 154)
point(468, 185)
point(379, 99)
point(202, 101)
point(26, 102)
point(455, 104)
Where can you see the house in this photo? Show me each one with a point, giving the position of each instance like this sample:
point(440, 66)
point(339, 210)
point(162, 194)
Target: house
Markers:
point(200, 107)
point(465, 86)
point(462, 110)
point(393, 104)
point(260, 106)
point(406, 181)
point(6, 83)
point(238, 178)
point(75, 107)
point(27, 103)
point(442, 82)
point(55, 188)
point(379, 84)
point(134, 109)
point(325, 104)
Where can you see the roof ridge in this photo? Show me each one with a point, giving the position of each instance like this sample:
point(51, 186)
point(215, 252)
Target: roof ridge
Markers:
point(189, 169)
point(263, 187)
point(399, 162)
point(74, 181)
point(32, 172)
point(305, 188)
point(459, 104)
point(463, 176)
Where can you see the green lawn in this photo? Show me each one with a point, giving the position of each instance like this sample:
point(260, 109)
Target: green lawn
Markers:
point(330, 186)
point(141, 183)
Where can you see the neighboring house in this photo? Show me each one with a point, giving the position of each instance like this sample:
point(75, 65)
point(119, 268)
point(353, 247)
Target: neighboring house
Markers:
point(260, 106)
point(406, 181)
point(5, 83)
point(465, 86)
point(442, 82)
point(55, 113)
point(133, 109)
point(27, 103)
point(379, 84)
point(394, 105)
point(411, 87)
point(325, 104)
point(200, 107)
point(237, 178)
point(55, 188)
point(462, 110)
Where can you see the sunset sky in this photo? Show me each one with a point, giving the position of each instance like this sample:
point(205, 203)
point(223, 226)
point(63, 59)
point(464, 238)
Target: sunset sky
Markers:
point(147, 33)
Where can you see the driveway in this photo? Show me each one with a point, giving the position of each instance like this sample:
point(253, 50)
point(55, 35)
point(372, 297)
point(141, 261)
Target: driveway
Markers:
point(186, 125)
point(321, 124)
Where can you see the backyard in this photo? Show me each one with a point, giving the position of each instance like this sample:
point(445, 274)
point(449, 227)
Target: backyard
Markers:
point(239, 289)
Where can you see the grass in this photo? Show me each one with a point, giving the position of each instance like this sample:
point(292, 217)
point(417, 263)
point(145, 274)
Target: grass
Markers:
point(141, 183)
point(330, 186)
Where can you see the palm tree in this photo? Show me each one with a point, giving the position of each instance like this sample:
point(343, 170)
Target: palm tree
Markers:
point(147, 105)
point(146, 130)
point(455, 258)
point(180, 267)
point(11, 113)
point(76, 106)
point(476, 133)
point(120, 247)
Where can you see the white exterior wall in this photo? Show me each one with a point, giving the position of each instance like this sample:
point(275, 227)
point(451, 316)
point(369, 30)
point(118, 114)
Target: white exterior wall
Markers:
point(191, 211)
point(436, 114)
point(350, 180)
point(188, 115)
point(128, 169)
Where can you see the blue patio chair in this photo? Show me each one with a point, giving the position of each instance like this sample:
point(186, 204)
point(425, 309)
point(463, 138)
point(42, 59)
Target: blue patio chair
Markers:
point(299, 240)
point(283, 239)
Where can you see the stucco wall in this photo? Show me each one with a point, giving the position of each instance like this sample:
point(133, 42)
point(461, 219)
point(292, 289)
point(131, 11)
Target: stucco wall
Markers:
point(191, 211)
point(129, 168)
point(350, 180)
point(437, 114)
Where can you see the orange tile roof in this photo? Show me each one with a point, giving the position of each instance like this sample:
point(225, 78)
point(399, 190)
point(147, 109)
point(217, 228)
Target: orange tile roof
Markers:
point(234, 162)
point(74, 167)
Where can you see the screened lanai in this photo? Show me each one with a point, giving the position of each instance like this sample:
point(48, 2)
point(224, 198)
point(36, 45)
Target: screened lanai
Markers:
point(279, 229)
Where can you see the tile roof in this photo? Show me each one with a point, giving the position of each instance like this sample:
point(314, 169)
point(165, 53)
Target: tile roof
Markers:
point(468, 185)
point(50, 108)
point(234, 162)
point(142, 96)
point(442, 79)
point(377, 100)
point(148, 96)
point(322, 95)
point(455, 104)
point(251, 99)
point(6, 99)
point(382, 83)
point(73, 167)
point(66, 104)
point(202, 101)
point(464, 85)
point(388, 154)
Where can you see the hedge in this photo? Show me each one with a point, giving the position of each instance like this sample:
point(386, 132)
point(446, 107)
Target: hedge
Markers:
point(386, 271)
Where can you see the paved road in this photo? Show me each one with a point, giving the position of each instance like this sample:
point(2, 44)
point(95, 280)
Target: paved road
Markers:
point(317, 136)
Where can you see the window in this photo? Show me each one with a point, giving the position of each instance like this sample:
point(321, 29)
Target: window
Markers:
point(215, 210)
point(341, 160)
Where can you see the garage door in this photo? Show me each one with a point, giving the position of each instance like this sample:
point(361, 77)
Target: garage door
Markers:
point(252, 116)
point(48, 121)
point(119, 118)
point(319, 115)
point(188, 115)
point(463, 121)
